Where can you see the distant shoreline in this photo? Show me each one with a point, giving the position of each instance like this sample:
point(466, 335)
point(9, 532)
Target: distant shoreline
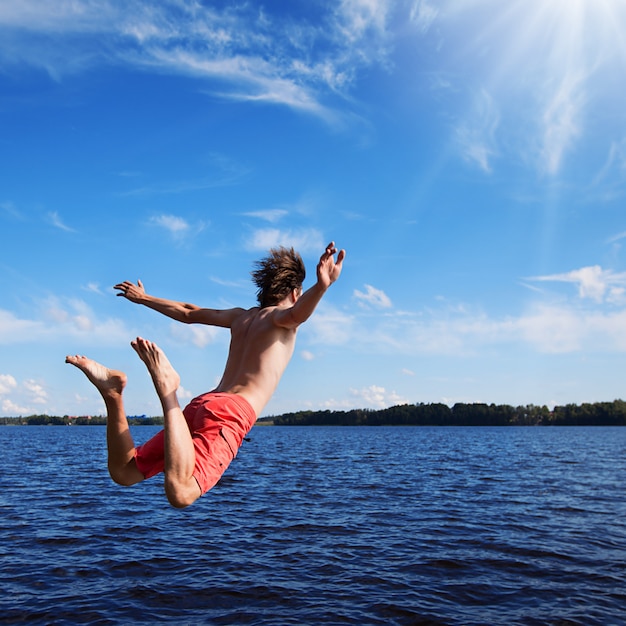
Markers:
point(437, 414)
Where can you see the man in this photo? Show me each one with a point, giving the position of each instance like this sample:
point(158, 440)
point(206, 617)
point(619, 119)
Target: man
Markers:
point(197, 444)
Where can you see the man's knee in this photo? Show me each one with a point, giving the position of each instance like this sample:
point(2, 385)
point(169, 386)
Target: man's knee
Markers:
point(126, 476)
point(182, 494)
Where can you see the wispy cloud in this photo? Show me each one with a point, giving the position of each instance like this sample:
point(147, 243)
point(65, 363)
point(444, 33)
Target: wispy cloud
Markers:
point(185, 186)
point(593, 282)
point(178, 227)
point(362, 19)
point(199, 336)
point(93, 288)
point(303, 240)
point(542, 64)
point(9, 208)
point(174, 224)
point(254, 54)
point(610, 180)
point(616, 238)
point(546, 326)
point(561, 121)
point(58, 320)
point(423, 14)
point(57, 222)
point(269, 215)
point(238, 284)
point(476, 136)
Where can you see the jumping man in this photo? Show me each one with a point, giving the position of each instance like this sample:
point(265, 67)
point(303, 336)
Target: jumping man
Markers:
point(197, 444)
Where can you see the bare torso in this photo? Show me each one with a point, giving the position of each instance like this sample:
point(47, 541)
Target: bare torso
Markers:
point(258, 355)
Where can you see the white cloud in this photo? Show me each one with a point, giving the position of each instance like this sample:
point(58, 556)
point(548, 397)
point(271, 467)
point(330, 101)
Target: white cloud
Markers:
point(21, 398)
point(373, 297)
point(172, 223)
point(593, 282)
point(461, 331)
point(184, 394)
point(377, 397)
point(303, 240)
point(558, 329)
point(329, 326)
point(196, 334)
point(307, 355)
point(61, 321)
point(372, 397)
point(12, 409)
point(7, 384)
point(15, 330)
point(36, 392)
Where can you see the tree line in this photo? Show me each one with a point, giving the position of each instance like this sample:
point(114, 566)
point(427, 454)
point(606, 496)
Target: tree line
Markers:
point(67, 420)
point(437, 414)
point(461, 414)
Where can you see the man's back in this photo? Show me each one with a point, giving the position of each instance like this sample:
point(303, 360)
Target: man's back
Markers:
point(259, 353)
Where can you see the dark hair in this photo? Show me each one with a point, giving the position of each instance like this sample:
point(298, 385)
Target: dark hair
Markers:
point(277, 275)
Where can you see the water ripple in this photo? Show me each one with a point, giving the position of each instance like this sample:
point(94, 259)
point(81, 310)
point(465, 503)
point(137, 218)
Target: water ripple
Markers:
point(406, 526)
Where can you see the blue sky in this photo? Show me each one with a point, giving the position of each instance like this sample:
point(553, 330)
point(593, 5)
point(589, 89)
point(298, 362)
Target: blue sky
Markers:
point(470, 156)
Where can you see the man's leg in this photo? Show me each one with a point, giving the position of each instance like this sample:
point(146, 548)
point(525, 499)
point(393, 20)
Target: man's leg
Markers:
point(181, 487)
point(120, 445)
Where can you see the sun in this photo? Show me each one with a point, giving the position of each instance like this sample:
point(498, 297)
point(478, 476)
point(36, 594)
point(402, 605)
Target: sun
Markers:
point(551, 63)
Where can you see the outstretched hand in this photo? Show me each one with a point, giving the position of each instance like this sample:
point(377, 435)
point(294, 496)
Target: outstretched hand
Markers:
point(130, 291)
point(328, 270)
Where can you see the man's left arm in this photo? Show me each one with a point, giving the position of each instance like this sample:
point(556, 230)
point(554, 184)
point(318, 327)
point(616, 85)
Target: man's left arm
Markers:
point(328, 271)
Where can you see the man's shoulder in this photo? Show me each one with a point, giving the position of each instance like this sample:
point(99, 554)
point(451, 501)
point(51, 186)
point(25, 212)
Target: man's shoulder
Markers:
point(256, 312)
point(261, 316)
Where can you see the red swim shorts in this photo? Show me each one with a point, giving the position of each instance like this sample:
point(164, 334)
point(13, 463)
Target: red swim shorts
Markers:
point(218, 423)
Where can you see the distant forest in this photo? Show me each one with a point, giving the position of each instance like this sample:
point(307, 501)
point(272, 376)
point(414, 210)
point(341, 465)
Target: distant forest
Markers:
point(476, 414)
point(596, 414)
point(67, 420)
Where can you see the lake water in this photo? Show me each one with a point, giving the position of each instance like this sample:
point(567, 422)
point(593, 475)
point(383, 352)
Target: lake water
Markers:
point(314, 525)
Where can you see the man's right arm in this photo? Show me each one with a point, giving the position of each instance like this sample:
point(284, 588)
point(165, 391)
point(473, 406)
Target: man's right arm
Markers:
point(179, 311)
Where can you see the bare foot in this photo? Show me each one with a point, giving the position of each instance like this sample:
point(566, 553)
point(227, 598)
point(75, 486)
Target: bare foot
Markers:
point(165, 377)
point(108, 382)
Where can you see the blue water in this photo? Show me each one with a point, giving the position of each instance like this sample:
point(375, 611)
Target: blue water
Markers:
point(338, 525)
